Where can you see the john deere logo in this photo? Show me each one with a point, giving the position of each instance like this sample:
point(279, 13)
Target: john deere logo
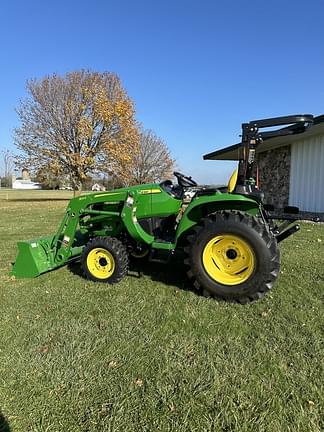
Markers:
point(149, 191)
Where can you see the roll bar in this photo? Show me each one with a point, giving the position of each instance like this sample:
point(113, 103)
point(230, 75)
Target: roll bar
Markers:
point(252, 138)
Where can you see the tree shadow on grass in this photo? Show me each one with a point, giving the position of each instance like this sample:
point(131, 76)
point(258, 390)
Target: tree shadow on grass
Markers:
point(4, 425)
point(172, 273)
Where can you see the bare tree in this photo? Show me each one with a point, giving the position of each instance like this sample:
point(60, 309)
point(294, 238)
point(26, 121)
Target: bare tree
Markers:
point(68, 121)
point(8, 165)
point(152, 163)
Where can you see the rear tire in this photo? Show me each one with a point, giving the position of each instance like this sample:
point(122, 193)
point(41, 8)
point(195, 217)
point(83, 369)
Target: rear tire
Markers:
point(233, 256)
point(104, 259)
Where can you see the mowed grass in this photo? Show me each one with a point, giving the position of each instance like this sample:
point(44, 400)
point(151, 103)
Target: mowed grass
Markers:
point(36, 195)
point(149, 354)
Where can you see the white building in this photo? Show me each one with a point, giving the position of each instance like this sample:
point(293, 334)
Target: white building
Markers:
point(26, 184)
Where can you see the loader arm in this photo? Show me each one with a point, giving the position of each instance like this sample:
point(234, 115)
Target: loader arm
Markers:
point(47, 253)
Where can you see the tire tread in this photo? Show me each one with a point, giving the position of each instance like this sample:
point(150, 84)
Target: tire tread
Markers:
point(235, 217)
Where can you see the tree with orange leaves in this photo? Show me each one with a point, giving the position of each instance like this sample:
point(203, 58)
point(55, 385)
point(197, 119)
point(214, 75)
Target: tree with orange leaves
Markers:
point(70, 123)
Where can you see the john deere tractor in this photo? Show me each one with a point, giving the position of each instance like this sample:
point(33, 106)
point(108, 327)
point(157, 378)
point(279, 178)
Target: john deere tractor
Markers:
point(229, 237)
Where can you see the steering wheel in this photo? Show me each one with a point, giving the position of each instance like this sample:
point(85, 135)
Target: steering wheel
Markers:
point(184, 181)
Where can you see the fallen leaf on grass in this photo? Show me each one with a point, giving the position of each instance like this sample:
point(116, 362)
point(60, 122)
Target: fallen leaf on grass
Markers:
point(172, 407)
point(139, 382)
point(101, 325)
point(265, 313)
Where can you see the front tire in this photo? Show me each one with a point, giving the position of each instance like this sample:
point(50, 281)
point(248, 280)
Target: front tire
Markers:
point(104, 259)
point(233, 256)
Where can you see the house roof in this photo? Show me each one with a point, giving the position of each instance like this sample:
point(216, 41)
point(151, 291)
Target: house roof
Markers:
point(232, 152)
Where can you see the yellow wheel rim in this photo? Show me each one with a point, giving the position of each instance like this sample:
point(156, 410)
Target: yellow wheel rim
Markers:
point(228, 259)
point(100, 263)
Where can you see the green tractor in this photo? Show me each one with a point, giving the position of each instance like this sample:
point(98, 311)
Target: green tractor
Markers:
point(228, 235)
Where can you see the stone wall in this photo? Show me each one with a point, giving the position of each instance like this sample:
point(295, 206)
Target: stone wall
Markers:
point(274, 174)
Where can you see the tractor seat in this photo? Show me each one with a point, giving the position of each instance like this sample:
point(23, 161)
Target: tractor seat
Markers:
point(174, 190)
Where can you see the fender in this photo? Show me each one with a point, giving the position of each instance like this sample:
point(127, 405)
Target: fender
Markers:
point(201, 206)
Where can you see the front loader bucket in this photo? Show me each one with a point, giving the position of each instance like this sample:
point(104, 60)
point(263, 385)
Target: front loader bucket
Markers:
point(34, 257)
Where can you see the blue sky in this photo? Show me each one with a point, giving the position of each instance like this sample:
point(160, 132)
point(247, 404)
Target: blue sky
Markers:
point(195, 69)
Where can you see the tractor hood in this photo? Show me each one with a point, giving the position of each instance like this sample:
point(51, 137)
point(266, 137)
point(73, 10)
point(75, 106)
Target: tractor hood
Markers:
point(143, 188)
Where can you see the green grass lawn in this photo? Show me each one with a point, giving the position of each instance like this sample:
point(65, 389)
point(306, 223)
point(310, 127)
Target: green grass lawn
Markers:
point(37, 195)
point(149, 354)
